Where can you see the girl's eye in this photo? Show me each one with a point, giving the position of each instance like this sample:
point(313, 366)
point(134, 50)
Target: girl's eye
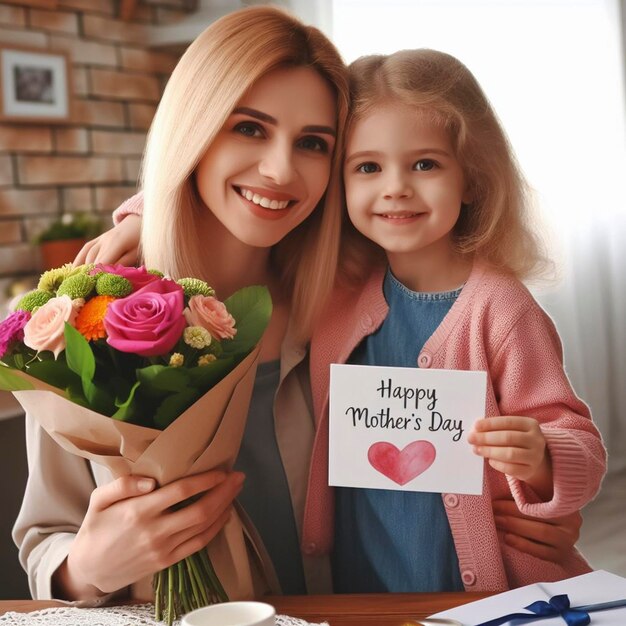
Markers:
point(249, 129)
point(368, 168)
point(424, 165)
point(314, 144)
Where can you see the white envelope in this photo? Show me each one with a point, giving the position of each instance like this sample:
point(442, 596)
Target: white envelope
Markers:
point(592, 588)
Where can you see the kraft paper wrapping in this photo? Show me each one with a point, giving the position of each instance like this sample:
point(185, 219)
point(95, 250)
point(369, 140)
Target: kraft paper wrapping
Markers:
point(206, 436)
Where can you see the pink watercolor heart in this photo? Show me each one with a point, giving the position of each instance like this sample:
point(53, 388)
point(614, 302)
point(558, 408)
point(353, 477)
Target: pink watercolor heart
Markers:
point(404, 465)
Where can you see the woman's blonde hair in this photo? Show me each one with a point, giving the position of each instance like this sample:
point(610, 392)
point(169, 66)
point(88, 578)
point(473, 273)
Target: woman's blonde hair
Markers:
point(495, 226)
point(211, 77)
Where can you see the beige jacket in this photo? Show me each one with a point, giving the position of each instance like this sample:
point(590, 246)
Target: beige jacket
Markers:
point(60, 484)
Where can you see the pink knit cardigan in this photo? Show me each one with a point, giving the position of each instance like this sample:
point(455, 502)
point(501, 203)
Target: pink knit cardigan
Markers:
point(495, 325)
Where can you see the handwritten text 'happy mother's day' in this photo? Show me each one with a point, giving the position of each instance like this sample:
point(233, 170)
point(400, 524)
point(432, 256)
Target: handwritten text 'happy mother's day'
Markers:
point(413, 399)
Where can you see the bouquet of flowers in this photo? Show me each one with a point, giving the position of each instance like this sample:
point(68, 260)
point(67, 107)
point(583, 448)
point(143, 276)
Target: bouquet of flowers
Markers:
point(148, 376)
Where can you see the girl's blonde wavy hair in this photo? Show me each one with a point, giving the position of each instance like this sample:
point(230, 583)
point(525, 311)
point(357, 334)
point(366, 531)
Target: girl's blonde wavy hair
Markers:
point(211, 77)
point(496, 225)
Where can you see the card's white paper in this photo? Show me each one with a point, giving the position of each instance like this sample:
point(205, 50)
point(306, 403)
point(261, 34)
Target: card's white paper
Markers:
point(405, 428)
point(592, 588)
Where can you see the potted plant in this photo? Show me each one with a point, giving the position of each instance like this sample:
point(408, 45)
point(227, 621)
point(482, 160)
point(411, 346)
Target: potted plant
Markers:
point(63, 239)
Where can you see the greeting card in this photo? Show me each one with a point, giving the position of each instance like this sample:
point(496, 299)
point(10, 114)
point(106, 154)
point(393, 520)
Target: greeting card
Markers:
point(405, 428)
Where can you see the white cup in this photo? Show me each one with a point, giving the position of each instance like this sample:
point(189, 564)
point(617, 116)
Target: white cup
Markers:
point(232, 614)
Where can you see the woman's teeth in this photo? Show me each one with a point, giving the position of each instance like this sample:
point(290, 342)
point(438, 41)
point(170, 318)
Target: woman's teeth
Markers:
point(264, 202)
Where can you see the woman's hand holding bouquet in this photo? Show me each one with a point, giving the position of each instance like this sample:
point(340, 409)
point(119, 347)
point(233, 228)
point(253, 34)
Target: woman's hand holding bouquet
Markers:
point(150, 377)
point(103, 559)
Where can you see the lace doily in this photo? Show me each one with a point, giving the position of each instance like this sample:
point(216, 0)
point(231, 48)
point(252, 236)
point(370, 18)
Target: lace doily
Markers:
point(135, 615)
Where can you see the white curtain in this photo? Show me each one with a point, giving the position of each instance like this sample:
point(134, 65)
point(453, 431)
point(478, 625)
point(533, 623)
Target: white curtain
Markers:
point(554, 70)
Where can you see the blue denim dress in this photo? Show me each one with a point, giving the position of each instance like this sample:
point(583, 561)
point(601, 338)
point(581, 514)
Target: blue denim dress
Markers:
point(387, 540)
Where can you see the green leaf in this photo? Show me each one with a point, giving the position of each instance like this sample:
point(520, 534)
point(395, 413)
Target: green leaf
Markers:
point(207, 376)
point(159, 379)
point(75, 394)
point(126, 409)
point(80, 360)
point(252, 309)
point(55, 373)
point(173, 406)
point(79, 356)
point(14, 361)
point(10, 381)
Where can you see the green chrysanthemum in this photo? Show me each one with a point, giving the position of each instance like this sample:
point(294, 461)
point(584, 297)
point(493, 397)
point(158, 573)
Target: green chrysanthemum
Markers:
point(113, 285)
point(77, 286)
point(197, 337)
point(33, 300)
point(52, 279)
point(195, 287)
point(156, 273)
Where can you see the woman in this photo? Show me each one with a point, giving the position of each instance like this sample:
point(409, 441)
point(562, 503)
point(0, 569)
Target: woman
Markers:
point(247, 126)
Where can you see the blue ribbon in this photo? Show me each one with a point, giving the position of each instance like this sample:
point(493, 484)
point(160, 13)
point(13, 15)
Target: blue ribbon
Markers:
point(557, 606)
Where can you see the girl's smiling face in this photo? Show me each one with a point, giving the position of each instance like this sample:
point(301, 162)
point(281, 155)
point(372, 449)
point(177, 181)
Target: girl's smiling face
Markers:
point(269, 165)
point(404, 185)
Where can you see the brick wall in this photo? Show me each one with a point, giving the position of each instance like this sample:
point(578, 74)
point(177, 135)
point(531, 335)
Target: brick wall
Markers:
point(91, 164)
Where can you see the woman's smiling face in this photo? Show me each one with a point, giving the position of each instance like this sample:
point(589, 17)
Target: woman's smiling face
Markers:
point(269, 165)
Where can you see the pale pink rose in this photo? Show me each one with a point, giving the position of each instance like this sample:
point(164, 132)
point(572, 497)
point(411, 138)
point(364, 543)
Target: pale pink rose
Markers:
point(45, 329)
point(210, 313)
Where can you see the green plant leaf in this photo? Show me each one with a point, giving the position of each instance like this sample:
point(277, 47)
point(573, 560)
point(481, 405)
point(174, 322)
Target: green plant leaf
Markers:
point(10, 381)
point(252, 309)
point(207, 376)
point(55, 373)
point(79, 356)
point(160, 379)
point(81, 361)
point(173, 406)
point(126, 409)
point(75, 394)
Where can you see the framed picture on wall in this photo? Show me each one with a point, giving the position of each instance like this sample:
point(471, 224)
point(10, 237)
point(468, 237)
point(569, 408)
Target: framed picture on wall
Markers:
point(34, 86)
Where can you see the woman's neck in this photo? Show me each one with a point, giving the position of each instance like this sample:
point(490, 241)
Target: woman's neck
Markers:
point(231, 264)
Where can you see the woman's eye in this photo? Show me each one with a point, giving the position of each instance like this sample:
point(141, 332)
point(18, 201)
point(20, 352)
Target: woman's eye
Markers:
point(424, 165)
point(314, 144)
point(249, 129)
point(368, 168)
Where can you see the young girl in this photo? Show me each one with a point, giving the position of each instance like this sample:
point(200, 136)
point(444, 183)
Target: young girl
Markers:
point(430, 178)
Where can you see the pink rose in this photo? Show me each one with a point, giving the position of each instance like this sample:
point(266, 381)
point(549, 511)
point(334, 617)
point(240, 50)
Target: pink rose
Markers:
point(210, 313)
point(45, 329)
point(149, 322)
point(138, 276)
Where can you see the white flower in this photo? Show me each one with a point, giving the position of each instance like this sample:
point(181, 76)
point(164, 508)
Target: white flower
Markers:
point(197, 337)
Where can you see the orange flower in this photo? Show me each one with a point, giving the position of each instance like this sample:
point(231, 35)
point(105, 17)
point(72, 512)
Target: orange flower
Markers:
point(90, 319)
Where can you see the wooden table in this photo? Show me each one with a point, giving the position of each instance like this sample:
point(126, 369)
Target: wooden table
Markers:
point(390, 609)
